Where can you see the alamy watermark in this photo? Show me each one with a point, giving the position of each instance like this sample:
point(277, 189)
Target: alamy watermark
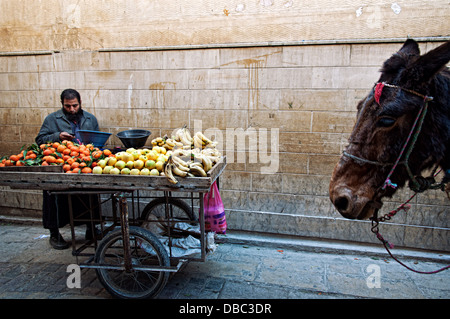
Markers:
point(74, 278)
point(373, 280)
point(258, 145)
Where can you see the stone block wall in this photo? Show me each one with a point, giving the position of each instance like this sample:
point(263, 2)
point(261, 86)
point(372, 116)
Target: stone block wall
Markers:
point(282, 115)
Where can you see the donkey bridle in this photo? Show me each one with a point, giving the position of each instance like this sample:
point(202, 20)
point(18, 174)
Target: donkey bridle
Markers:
point(414, 133)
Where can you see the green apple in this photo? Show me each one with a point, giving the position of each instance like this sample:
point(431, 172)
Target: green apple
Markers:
point(144, 171)
point(138, 164)
point(120, 164)
point(97, 170)
point(154, 172)
point(114, 171)
point(107, 169)
point(125, 171)
point(150, 164)
point(135, 171)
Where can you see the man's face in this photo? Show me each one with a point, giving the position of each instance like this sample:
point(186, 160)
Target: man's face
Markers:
point(71, 106)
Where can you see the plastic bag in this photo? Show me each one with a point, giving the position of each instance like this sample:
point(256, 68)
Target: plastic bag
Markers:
point(215, 220)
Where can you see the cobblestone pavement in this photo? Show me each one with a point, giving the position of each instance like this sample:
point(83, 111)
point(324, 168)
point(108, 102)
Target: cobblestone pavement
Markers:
point(242, 267)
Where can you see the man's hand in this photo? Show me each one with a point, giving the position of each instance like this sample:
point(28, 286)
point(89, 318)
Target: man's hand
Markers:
point(65, 136)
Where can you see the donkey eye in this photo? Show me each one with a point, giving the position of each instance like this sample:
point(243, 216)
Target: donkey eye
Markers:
point(386, 121)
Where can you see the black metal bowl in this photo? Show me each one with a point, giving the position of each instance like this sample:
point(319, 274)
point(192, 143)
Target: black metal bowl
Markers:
point(133, 138)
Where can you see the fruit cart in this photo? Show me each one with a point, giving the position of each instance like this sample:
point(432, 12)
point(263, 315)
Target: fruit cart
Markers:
point(130, 260)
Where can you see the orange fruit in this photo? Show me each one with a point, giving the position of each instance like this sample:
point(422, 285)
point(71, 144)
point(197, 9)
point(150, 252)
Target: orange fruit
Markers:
point(59, 161)
point(66, 167)
point(75, 170)
point(14, 158)
point(70, 161)
point(61, 148)
point(48, 151)
point(74, 154)
point(97, 154)
point(86, 170)
point(82, 165)
point(44, 163)
point(107, 152)
point(31, 156)
point(20, 163)
point(75, 165)
point(66, 151)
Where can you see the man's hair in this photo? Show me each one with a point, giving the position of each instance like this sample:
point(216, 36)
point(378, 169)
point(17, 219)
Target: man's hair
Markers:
point(70, 94)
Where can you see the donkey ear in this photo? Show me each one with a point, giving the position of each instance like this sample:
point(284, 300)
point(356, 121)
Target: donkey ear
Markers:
point(428, 65)
point(400, 60)
point(409, 48)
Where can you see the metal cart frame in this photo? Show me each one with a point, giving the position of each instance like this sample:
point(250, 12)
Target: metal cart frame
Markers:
point(117, 187)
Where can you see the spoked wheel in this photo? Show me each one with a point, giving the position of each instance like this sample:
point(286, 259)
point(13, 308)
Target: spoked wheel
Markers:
point(146, 251)
point(178, 209)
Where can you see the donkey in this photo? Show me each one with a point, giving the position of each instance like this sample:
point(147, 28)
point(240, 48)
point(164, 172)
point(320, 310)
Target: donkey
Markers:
point(402, 129)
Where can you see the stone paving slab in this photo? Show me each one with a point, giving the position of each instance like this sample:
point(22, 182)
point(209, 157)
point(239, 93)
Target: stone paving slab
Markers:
point(239, 269)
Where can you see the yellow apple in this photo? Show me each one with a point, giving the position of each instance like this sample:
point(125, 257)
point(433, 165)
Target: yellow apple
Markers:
point(138, 164)
point(135, 154)
point(159, 166)
point(152, 155)
point(112, 161)
point(144, 171)
point(102, 163)
point(119, 156)
point(107, 169)
point(126, 157)
point(120, 164)
point(125, 171)
point(161, 158)
point(130, 164)
point(154, 172)
point(130, 150)
point(114, 171)
point(134, 171)
point(97, 170)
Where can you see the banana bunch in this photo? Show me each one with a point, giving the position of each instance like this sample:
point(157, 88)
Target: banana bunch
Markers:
point(188, 163)
point(159, 141)
point(170, 144)
point(183, 136)
point(202, 142)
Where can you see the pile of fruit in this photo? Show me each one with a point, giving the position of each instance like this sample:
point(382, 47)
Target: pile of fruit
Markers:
point(73, 157)
point(180, 155)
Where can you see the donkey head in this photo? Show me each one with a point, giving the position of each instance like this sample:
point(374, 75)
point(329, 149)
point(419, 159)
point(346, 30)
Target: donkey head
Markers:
point(384, 120)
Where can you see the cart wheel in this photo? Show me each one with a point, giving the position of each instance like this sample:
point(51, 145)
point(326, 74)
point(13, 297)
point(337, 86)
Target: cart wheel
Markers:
point(146, 251)
point(180, 209)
